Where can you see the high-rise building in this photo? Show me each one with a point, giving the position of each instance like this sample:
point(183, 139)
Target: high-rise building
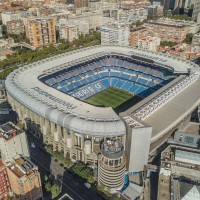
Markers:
point(41, 32)
point(12, 142)
point(24, 178)
point(115, 34)
point(196, 10)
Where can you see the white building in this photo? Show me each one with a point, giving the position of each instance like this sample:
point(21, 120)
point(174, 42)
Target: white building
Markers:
point(68, 32)
point(9, 16)
point(196, 10)
point(196, 41)
point(86, 21)
point(83, 26)
point(115, 34)
point(12, 142)
point(149, 43)
point(133, 15)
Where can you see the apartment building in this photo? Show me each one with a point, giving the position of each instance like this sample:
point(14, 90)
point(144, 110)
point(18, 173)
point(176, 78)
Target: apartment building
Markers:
point(24, 178)
point(9, 16)
point(80, 3)
point(41, 32)
point(183, 50)
point(15, 27)
point(137, 33)
point(4, 182)
point(68, 32)
point(12, 142)
point(149, 43)
point(196, 10)
point(115, 34)
point(167, 31)
point(196, 41)
point(180, 171)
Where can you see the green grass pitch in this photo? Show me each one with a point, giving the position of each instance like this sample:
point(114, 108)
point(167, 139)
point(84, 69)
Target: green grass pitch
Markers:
point(111, 97)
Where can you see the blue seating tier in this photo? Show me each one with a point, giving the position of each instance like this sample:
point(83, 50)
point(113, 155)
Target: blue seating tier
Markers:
point(87, 79)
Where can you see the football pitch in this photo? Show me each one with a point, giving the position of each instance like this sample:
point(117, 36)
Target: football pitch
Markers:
point(111, 97)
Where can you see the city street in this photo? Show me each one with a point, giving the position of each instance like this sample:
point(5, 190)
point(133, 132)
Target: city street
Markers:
point(70, 184)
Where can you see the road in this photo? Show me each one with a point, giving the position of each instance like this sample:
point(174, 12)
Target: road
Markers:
point(70, 184)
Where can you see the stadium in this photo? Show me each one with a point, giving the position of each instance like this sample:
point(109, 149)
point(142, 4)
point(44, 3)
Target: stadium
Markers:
point(108, 106)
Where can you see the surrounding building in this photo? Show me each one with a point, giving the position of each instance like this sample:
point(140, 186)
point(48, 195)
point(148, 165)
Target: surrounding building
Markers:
point(137, 33)
point(179, 173)
point(4, 181)
point(183, 51)
point(149, 43)
point(24, 178)
point(133, 15)
point(12, 142)
point(115, 34)
point(15, 27)
point(9, 16)
point(196, 10)
point(68, 32)
point(41, 32)
point(167, 31)
point(196, 41)
point(81, 3)
point(86, 22)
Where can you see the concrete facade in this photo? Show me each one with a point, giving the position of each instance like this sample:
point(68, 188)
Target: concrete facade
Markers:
point(41, 32)
point(111, 165)
point(12, 142)
point(138, 143)
point(115, 34)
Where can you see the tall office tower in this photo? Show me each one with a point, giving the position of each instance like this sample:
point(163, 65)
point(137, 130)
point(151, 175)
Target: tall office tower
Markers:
point(41, 32)
point(196, 10)
point(12, 142)
point(24, 178)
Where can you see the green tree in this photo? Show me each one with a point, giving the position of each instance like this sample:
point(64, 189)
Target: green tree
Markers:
point(55, 190)
point(188, 38)
point(168, 43)
point(90, 179)
point(48, 186)
point(46, 178)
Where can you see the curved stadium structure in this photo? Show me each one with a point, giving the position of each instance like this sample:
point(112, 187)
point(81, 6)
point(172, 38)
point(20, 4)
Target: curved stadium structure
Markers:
point(79, 100)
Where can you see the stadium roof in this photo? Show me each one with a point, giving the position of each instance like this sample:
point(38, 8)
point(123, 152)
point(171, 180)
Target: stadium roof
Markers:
point(24, 85)
point(170, 114)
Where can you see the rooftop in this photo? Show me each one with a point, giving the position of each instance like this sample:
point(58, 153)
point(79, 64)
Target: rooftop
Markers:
point(9, 130)
point(21, 166)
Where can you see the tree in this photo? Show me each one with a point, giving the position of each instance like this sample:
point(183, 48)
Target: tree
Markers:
point(48, 186)
point(168, 43)
point(55, 190)
point(46, 178)
point(188, 38)
point(90, 179)
point(4, 30)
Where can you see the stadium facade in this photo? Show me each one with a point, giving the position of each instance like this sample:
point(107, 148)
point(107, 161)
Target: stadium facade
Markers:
point(49, 97)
